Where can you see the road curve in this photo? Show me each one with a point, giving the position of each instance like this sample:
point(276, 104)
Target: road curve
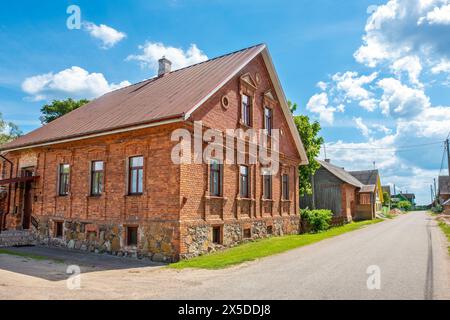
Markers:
point(408, 252)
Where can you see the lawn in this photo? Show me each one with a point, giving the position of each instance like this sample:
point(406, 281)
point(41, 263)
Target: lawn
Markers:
point(265, 247)
point(28, 255)
point(446, 229)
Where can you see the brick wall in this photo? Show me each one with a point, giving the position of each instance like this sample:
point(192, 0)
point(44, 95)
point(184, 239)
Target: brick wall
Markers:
point(174, 214)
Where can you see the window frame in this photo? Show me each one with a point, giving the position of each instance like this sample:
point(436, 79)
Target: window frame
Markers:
point(241, 182)
point(100, 181)
point(216, 191)
point(63, 180)
point(285, 187)
point(217, 229)
point(267, 189)
point(59, 226)
point(268, 120)
point(246, 110)
point(138, 169)
point(129, 238)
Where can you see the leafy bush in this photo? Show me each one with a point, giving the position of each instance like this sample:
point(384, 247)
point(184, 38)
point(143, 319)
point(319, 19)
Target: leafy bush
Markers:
point(318, 220)
point(437, 209)
point(404, 205)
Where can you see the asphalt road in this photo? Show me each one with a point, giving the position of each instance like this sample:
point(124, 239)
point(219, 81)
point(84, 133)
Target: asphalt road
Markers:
point(409, 253)
point(406, 256)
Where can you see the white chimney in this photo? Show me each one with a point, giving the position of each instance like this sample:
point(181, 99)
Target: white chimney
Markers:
point(165, 66)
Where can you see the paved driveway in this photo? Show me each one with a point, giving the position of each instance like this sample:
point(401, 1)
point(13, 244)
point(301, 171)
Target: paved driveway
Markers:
point(409, 253)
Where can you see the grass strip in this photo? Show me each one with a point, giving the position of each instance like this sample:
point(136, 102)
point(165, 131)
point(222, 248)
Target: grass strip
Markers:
point(264, 247)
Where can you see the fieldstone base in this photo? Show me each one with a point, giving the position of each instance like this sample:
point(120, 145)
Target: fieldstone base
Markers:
point(17, 238)
point(197, 239)
point(156, 240)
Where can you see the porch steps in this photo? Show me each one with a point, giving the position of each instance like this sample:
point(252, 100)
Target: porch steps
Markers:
point(17, 238)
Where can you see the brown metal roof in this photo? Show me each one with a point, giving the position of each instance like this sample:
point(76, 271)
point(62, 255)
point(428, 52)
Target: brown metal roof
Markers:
point(167, 97)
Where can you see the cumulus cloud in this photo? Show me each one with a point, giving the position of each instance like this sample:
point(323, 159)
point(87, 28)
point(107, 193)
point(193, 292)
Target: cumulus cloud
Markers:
point(411, 65)
point(439, 15)
point(74, 82)
point(401, 101)
point(407, 50)
point(319, 104)
point(362, 127)
point(397, 29)
point(108, 36)
point(151, 52)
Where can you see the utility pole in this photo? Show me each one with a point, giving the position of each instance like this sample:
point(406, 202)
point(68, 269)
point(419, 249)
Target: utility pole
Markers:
point(435, 193)
point(395, 192)
point(448, 154)
point(432, 197)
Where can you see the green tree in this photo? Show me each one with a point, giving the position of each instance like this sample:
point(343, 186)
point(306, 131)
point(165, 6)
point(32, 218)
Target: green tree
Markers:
point(8, 131)
point(405, 205)
point(386, 199)
point(59, 108)
point(312, 142)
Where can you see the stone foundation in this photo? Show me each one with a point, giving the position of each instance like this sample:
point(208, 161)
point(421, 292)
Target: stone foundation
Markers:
point(197, 238)
point(156, 240)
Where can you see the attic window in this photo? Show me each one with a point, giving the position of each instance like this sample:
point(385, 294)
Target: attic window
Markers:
point(246, 110)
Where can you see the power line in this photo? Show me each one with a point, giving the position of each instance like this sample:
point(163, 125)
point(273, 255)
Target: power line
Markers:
point(401, 148)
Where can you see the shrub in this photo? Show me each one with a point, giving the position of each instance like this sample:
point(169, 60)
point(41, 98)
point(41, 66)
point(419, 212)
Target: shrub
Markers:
point(318, 220)
point(404, 205)
point(437, 209)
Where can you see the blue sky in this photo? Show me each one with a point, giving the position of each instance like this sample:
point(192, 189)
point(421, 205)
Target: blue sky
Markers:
point(376, 74)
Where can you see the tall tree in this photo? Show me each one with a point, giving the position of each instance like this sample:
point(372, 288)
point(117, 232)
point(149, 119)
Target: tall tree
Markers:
point(59, 108)
point(309, 132)
point(8, 131)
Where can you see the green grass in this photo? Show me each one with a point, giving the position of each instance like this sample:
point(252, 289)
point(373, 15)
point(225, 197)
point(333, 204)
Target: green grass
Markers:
point(446, 229)
point(262, 248)
point(28, 255)
point(390, 216)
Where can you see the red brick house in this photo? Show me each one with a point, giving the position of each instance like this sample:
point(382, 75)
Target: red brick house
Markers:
point(101, 178)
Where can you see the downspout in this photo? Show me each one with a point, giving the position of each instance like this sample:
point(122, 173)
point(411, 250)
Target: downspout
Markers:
point(3, 219)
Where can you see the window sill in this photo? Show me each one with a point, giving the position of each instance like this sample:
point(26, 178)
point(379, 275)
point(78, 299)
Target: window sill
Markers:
point(134, 195)
point(267, 200)
point(209, 197)
point(244, 199)
point(287, 201)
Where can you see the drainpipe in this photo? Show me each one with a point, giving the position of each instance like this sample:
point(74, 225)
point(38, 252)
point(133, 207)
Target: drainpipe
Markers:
point(3, 219)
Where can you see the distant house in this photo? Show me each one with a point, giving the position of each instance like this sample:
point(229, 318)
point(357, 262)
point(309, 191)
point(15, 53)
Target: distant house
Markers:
point(337, 190)
point(387, 189)
point(372, 190)
point(444, 189)
point(411, 197)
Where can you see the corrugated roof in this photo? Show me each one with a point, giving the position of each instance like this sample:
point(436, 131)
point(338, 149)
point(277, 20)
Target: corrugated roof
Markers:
point(367, 177)
point(367, 188)
point(444, 184)
point(340, 173)
point(167, 97)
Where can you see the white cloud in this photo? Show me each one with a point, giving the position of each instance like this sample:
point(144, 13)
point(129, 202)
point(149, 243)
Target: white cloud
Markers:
point(352, 84)
point(73, 82)
point(381, 128)
point(322, 85)
point(437, 16)
point(401, 101)
point(153, 51)
point(409, 64)
point(107, 35)
point(441, 67)
point(395, 30)
point(319, 104)
point(430, 123)
point(362, 127)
